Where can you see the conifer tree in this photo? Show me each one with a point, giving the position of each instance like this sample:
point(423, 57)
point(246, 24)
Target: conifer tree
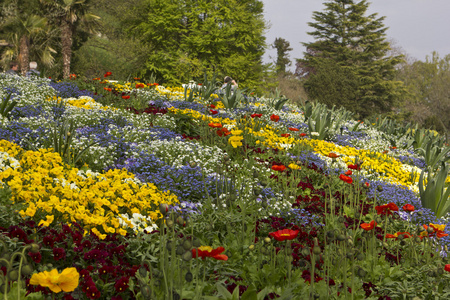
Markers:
point(352, 45)
point(283, 47)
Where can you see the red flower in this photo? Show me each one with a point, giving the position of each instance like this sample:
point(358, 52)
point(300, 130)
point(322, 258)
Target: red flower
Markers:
point(212, 106)
point(126, 97)
point(386, 208)
point(107, 74)
point(256, 115)
point(280, 168)
point(348, 173)
point(370, 226)
point(136, 78)
point(302, 134)
point(36, 257)
point(59, 253)
point(139, 85)
point(345, 178)
point(213, 112)
point(206, 251)
point(293, 129)
point(98, 78)
point(406, 235)
point(447, 268)
point(285, 234)
point(354, 167)
point(107, 89)
point(223, 131)
point(285, 135)
point(275, 118)
point(408, 208)
point(366, 185)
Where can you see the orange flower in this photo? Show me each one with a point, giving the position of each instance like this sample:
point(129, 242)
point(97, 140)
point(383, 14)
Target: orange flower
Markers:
point(406, 235)
point(345, 178)
point(140, 85)
point(207, 251)
point(107, 89)
point(285, 234)
point(285, 135)
point(275, 118)
point(370, 226)
point(136, 78)
point(126, 97)
point(107, 74)
point(256, 115)
point(98, 78)
point(348, 173)
point(293, 129)
point(438, 230)
point(333, 155)
point(72, 76)
point(215, 125)
point(302, 134)
point(280, 168)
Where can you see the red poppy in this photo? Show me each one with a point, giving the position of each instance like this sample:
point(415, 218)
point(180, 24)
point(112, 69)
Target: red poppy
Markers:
point(223, 131)
point(406, 235)
point(439, 232)
point(140, 85)
point(275, 118)
point(213, 112)
point(370, 226)
point(333, 155)
point(215, 125)
point(212, 106)
point(72, 76)
point(285, 234)
point(126, 97)
point(107, 89)
point(107, 74)
point(408, 208)
point(366, 185)
point(345, 178)
point(293, 129)
point(256, 115)
point(447, 268)
point(302, 134)
point(280, 168)
point(285, 135)
point(386, 209)
point(348, 173)
point(206, 251)
point(354, 167)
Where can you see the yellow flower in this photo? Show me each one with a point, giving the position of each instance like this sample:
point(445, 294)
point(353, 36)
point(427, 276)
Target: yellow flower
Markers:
point(67, 281)
point(235, 141)
point(236, 132)
point(48, 221)
point(294, 166)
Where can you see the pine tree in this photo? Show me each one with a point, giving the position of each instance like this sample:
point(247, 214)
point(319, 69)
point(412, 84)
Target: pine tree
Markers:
point(283, 47)
point(353, 45)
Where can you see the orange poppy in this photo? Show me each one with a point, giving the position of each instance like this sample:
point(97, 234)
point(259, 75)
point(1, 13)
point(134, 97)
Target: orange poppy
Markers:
point(408, 207)
point(280, 168)
point(348, 173)
point(126, 97)
point(386, 208)
point(302, 134)
point(107, 74)
point(285, 135)
point(333, 155)
point(207, 251)
point(215, 125)
point(369, 226)
point(293, 129)
point(345, 178)
point(275, 118)
point(256, 115)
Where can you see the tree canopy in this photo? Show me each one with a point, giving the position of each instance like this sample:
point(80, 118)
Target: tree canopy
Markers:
point(350, 45)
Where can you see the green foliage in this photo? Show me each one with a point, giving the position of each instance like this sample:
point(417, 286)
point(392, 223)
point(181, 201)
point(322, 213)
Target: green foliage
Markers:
point(6, 106)
point(283, 47)
point(348, 64)
point(434, 196)
point(278, 100)
point(230, 98)
point(187, 37)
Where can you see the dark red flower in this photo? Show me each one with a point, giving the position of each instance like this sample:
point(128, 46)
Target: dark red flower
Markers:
point(256, 115)
point(408, 207)
point(107, 74)
point(354, 167)
point(36, 257)
point(284, 234)
point(386, 208)
point(48, 241)
point(122, 284)
point(59, 253)
point(447, 268)
point(213, 112)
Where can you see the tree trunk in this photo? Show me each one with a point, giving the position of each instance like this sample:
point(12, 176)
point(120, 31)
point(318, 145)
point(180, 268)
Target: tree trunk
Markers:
point(66, 41)
point(24, 55)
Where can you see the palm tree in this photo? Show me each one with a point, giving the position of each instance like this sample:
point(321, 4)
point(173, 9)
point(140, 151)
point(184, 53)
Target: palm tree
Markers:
point(19, 27)
point(68, 14)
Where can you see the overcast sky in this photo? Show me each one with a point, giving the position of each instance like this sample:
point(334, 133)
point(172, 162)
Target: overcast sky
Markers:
point(417, 26)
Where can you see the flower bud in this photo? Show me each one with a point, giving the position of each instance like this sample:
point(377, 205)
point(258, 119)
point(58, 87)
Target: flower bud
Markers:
point(170, 223)
point(316, 250)
point(267, 240)
point(330, 234)
point(2, 288)
point(188, 277)
point(187, 256)
point(146, 292)
point(180, 221)
point(251, 247)
point(361, 272)
point(360, 256)
point(305, 252)
point(169, 246)
point(430, 229)
point(196, 243)
point(340, 237)
point(193, 164)
point(187, 245)
point(13, 275)
point(163, 208)
point(34, 248)
point(180, 250)
point(143, 272)
point(27, 269)
point(380, 188)
point(264, 203)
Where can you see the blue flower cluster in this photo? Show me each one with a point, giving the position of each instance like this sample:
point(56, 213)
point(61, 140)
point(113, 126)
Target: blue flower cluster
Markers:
point(347, 138)
point(418, 162)
point(69, 90)
point(301, 216)
point(187, 183)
